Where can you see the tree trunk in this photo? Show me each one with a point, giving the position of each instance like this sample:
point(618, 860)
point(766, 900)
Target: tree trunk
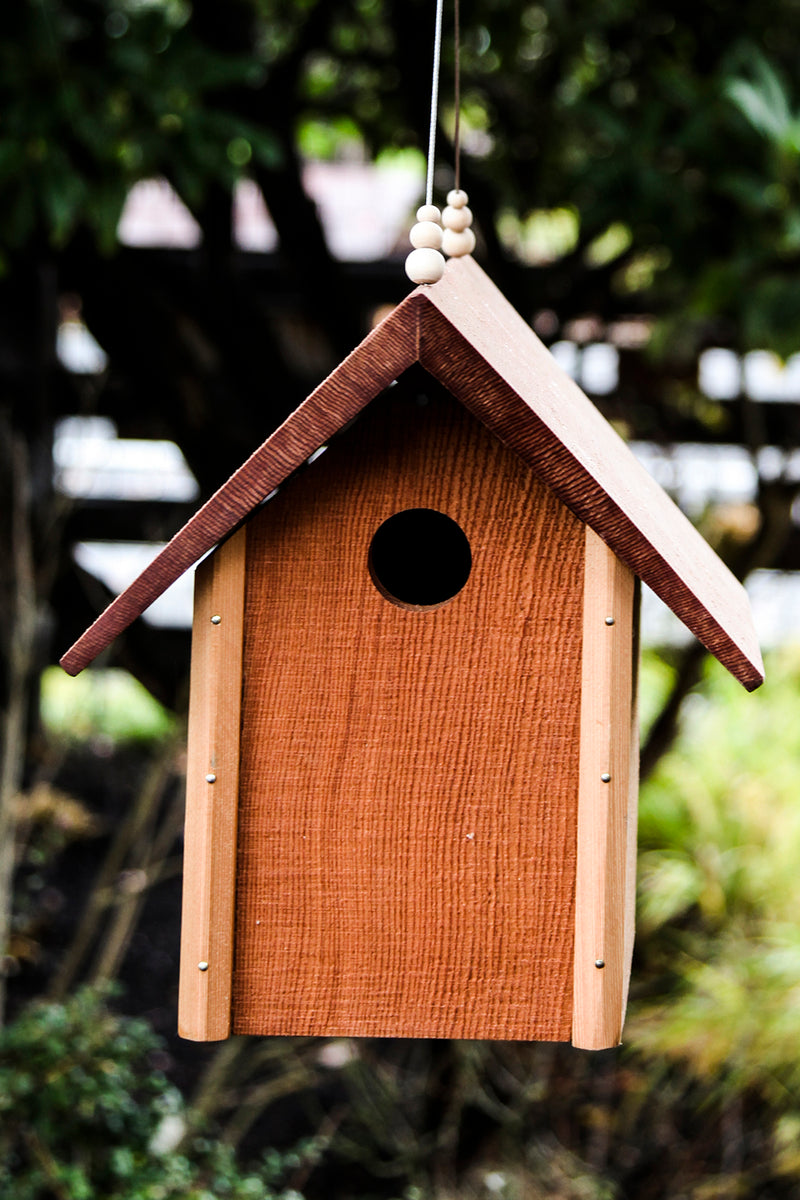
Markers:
point(19, 639)
point(28, 318)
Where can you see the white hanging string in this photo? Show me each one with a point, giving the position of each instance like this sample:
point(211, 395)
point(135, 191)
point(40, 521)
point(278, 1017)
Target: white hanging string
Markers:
point(457, 93)
point(437, 50)
point(425, 264)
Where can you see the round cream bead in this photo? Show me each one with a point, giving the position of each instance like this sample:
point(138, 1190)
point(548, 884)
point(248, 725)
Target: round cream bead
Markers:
point(429, 212)
point(426, 234)
point(424, 265)
point(457, 218)
point(457, 242)
point(457, 198)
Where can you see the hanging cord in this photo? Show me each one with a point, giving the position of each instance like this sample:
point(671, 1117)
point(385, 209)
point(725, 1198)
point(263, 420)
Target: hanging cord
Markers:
point(437, 53)
point(425, 263)
point(457, 94)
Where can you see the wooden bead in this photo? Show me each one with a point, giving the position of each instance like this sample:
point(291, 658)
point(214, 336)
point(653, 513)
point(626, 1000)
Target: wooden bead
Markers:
point(457, 218)
point(457, 198)
point(457, 242)
point(429, 212)
point(424, 265)
point(426, 234)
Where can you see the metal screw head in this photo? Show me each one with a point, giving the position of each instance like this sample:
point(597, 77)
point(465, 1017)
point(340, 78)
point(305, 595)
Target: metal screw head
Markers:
point(609, 620)
point(606, 778)
point(202, 966)
point(210, 778)
point(599, 963)
point(216, 619)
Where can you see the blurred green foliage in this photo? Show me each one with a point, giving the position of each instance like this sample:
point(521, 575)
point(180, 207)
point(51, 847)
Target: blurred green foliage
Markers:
point(84, 1114)
point(719, 889)
point(95, 94)
point(109, 707)
point(671, 138)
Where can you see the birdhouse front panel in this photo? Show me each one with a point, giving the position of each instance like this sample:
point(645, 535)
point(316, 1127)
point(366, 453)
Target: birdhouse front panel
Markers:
point(410, 739)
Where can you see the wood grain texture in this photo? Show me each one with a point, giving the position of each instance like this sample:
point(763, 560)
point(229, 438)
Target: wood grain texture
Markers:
point(409, 779)
point(209, 865)
point(466, 334)
point(607, 801)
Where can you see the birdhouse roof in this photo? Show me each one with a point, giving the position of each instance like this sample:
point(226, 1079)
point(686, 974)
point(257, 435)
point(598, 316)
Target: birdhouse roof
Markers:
point(464, 332)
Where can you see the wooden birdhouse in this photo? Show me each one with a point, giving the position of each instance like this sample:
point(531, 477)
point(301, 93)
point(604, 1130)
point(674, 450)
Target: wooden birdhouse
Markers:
point(412, 766)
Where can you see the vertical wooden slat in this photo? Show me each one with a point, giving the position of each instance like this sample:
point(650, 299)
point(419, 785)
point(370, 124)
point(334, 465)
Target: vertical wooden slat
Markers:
point(606, 814)
point(631, 824)
point(212, 786)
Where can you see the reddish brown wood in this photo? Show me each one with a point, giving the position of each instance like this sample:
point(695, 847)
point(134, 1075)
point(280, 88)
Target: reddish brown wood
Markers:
point(409, 779)
point(471, 339)
point(212, 794)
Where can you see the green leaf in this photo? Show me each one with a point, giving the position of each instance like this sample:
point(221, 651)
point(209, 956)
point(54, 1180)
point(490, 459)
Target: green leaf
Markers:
point(755, 105)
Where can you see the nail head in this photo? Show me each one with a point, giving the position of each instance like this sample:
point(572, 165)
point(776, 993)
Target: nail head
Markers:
point(216, 619)
point(599, 963)
point(202, 966)
point(210, 778)
point(606, 778)
point(609, 620)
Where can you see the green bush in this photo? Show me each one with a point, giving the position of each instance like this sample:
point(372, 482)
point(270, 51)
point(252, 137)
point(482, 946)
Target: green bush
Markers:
point(84, 1116)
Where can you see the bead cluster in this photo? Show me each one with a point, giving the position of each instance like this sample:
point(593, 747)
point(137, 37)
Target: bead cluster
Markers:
point(425, 263)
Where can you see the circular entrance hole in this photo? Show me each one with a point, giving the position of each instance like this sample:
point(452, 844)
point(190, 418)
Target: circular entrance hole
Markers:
point(419, 558)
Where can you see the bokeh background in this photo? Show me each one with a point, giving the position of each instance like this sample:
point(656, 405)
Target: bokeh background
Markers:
point(203, 208)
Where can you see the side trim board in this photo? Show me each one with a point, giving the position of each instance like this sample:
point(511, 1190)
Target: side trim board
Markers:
point(212, 789)
point(606, 800)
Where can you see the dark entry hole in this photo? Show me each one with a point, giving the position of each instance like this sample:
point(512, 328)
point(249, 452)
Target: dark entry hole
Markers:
point(419, 558)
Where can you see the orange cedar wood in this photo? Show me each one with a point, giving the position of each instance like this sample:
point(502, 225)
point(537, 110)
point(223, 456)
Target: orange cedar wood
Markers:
point(607, 799)
point(209, 862)
point(470, 338)
point(409, 780)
